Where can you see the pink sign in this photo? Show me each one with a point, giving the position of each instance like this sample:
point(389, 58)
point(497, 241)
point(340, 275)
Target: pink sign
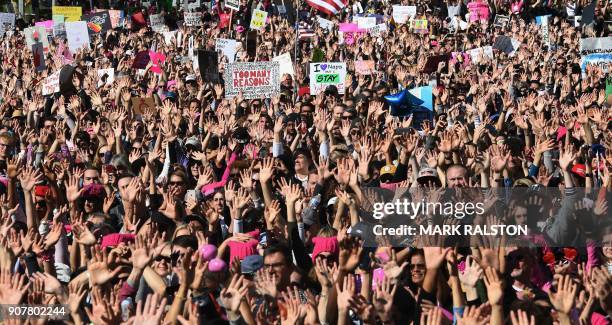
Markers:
point(156, 60)
point(351, 28)
point(47, 24)
point(479, 11)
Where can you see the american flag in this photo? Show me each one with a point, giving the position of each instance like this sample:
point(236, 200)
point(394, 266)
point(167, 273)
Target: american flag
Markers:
point(305, 30)
point(330, 7)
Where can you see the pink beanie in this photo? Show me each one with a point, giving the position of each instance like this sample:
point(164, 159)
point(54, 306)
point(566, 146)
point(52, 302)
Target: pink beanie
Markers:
point(116, 239)
point(324, 245)
point(242, 249)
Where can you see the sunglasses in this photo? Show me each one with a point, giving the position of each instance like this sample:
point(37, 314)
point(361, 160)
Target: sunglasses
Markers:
point(161, 258)
point(180, 183)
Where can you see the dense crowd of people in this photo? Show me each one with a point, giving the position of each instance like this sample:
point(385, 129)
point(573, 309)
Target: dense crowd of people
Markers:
point(203, 209)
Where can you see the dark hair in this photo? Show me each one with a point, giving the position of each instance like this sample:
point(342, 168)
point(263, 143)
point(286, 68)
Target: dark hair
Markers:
point(186, 241)
point(279, 248)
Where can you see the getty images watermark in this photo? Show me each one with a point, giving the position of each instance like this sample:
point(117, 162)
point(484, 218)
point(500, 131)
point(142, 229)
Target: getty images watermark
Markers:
point(525, 216)
point(458, 210)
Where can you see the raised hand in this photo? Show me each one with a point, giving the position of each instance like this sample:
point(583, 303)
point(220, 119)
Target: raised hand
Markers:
point(141, 253)
point(29, 177)
point(151, 312)
point(495, 286)
point(99, 273)
point(383, 298)
point(234, 293)
point(267, 283)
point(12, 287)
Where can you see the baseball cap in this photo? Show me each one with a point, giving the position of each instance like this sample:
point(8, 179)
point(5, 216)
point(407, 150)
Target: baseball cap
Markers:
point(427, 175)
point(579, 169)
point(387, 172)
point(251, 264)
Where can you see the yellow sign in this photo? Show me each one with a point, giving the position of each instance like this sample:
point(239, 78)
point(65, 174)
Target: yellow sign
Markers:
point(420, 26)
point(69, 13)
point(258, 20)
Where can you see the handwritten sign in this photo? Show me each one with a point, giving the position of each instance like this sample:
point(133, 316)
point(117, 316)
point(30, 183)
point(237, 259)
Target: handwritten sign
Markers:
point(77, 35)
point(364, 67)
point(258, 19)
point(227, 47)
point(377, 30)
point(366, 22)
point(51, 84)
point(286, 65)
point(327, 74)
point(401, 14)
point(253, 79)
point(157, 23)
point(475, 54)
point(193, 19)
point(69, 13)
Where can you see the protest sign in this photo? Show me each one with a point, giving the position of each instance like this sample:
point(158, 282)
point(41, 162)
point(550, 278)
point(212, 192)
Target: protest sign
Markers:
point(475, 54)
point(285, 64)
point(116, 17)
point(602, 60)
point(506, 44)
point(377, 30)
point(98, 23)
point(7, 20)
point(366, 22)
point(59, 28)
point(350, 32)
point(479, 11)
point(157, 23)
point(501, 20)
point(325, 24)
point(401, 14)
point(251, 43)
point(51, 84)
point(141, 60)
point(253, 79)
point(595, 45)
point(364, 67)
point(540, 20)
point(77, 34)
point(433, 62)
point(38, 54)
point(191, 5)
point(233, 4)
point(193, 19)
point(169, 36)
point(327, 74)
point(141, 104)
point(70, 13)
point(47, 24)
point(258, 19)
point(156, 61)
point(227, 47)
point(544, 30)
point(419, 26)
point(106, 77)
point(208, 64)
point(608, 87)
point(36, 34)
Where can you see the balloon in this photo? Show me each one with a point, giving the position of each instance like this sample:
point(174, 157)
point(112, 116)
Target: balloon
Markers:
point(217, 265)
point(396, 100)
point(208, 252)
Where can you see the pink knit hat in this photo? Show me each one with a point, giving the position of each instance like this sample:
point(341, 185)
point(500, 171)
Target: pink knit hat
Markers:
point(116, 239)
point(324, 245)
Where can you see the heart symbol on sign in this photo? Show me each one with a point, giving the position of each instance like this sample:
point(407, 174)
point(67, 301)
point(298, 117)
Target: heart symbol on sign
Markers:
point(323, 67)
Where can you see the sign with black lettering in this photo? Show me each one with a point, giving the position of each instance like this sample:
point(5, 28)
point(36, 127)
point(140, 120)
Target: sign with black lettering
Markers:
point(253, 79)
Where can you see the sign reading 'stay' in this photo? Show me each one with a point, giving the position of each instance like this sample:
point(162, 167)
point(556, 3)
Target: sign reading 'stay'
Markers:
point(327, 74)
